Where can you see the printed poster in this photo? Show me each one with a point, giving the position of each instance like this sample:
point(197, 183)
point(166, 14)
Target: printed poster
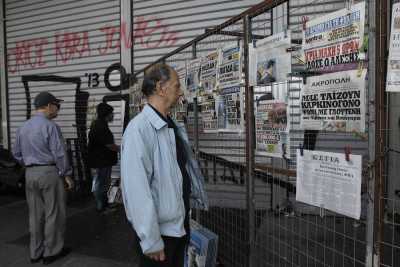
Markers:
point(271, 62)
point(334, 102)
point(229, 109)
point(230, 73)
point(332, 42)
point(272, 128)
point(393, 69)
point(208, 74)
point(327, 180)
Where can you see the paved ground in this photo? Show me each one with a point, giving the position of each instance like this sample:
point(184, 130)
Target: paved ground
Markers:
point(96, 240)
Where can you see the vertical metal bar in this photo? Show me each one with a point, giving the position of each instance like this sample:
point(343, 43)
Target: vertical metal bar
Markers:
point(249, 142)
point(3, 80)
point(380, 70)
point(196, 124)
point(370, 249)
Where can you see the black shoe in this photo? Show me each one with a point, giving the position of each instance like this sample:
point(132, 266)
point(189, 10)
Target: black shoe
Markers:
point(50, 259)
point(33, 261)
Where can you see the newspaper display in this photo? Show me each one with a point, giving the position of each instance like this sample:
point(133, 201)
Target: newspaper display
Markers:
point(270, 61)
point(334, 102)
point(272, 128)
point(327, 180)
point(203, 247)
point(208, 113)
point(192, 78)
point(181, 70)
point(393, 69)
point(332, 42)
point(229, 72)
point(208, 73)
point(229, 109)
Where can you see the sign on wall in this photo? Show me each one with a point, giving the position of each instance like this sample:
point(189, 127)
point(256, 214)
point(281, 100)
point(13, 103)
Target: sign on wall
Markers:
point(334, 102)
point(327, 180)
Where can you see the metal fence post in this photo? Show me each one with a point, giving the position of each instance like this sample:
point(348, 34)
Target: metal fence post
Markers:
point(196, 125)
point(249, 142)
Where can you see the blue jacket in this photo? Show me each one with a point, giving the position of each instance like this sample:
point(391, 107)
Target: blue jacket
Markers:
point(152, 181)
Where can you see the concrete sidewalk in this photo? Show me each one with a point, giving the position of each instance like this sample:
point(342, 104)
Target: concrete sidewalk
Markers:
point(96, 239)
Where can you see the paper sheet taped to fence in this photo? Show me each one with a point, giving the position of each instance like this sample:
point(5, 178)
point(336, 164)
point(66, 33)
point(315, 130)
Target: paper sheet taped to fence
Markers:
point(272, 131)
point(327, 180)
point(269, 61)
point(393, 69)
point(332, 42)
point(334, 102)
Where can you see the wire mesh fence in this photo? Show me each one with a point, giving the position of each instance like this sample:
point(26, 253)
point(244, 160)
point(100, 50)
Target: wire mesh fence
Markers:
point(253, 207)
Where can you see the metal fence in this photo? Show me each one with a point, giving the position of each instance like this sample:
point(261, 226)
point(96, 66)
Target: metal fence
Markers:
point(252, 198)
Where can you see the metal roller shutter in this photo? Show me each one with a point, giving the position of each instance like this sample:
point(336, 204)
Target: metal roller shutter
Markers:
point(68, 39)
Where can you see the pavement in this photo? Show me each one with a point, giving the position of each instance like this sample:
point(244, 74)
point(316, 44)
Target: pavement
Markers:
point(99, 240)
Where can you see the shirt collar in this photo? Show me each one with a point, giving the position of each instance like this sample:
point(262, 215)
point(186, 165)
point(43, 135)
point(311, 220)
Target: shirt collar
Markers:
point(153, 117)
point(40, 114)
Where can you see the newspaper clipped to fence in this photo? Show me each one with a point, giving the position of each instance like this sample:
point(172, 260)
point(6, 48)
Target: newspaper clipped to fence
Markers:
point(272, 128)
point(181, 71)
point(193, 78)
point(332, 42)
point(393, 69)
point(208, 75)
point(334, 102)
point(229, 72)
point(269, 61)
point(327, 180)
point(230, 109)
point(229, 100)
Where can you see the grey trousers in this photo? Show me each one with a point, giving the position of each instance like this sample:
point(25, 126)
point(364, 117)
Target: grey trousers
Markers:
point(46, 199)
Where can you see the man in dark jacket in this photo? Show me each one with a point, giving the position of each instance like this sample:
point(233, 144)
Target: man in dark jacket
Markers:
point(103, 153)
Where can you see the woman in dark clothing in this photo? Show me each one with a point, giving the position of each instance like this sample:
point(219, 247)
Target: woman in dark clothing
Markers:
point(103, 154)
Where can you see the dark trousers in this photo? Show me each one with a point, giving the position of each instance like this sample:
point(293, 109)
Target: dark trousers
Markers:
point(174, 249)
point(100, 186)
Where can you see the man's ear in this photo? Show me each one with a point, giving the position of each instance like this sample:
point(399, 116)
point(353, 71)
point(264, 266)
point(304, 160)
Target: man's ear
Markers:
point(160, 88)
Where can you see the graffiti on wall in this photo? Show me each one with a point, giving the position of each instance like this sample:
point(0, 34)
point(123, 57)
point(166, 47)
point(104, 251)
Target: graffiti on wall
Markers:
point(64, 47)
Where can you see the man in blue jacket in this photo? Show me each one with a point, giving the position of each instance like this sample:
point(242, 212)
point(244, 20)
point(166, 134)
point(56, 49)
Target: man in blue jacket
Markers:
point(160, 178)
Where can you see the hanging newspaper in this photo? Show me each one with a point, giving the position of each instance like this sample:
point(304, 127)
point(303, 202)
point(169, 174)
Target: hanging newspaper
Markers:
point(193, 78)
point(327, 180)
point(208, 112)
point(229, 109)
point(229, 73)
point(332, 42)
point(208, 74)
point(393, 69)
point(230, 98)
point(270, 61)
point(181, 70)
point(272, 128)
point(334, 102)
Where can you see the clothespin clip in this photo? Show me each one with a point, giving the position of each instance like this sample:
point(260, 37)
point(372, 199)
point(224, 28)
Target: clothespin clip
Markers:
point(347, 151)
point(304, 20)
point(301, 147)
